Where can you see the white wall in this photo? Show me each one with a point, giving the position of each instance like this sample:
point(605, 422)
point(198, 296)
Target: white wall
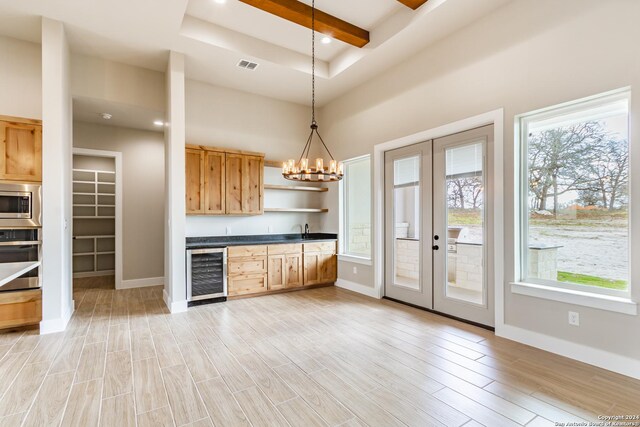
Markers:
point(228, 118)
point(56, 178)
point(21, 81)
point(526, 55)
point(143, 193)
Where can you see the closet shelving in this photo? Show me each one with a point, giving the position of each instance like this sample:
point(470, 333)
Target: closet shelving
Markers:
point(94, 207)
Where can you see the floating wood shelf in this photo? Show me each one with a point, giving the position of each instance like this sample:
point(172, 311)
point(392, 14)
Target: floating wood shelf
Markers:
point(296, 210)
point(273, 164)
point(295, 188)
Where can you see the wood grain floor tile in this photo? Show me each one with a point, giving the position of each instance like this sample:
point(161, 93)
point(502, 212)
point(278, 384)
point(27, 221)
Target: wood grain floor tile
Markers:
point(68, 356)
point(118, 376)
point(118, 411)
point(220, 403)
point(468, 406)
point(83, 408)
point(168, 350)
point(22, 392)
point(259, 409)
point(184, 398)
point(51, 401)
point(157, 418)
point(198, 362)
point(232, 373)
point(118, 338)
point(47, 348)
point(149, 388)
point(91, 365)
point(142, 344)
point(10, 366)
point(272, 386)
point(298, 413)
point(13, 420)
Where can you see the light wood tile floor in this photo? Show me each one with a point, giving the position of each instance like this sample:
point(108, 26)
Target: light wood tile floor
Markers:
point(323, 357)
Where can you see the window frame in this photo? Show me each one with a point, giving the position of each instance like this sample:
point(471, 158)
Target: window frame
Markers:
point(522, 196)
point(343, 206)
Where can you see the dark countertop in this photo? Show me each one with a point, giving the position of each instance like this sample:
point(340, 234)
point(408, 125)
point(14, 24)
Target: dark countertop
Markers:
point(260, 239)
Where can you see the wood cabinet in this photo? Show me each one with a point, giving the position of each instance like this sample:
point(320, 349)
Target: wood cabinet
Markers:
point(320, 263)
point(223, 182)
point(285, 266)
point(20, 149)
point(263, 268)
point(20, 308)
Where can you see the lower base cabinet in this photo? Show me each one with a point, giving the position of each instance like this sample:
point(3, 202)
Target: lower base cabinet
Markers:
point(20, 308)
point(287, 266)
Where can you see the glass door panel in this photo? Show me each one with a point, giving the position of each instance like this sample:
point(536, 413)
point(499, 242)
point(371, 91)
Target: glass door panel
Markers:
point(406, 206)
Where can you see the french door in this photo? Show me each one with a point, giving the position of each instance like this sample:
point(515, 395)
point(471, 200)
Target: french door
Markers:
point(438, 225)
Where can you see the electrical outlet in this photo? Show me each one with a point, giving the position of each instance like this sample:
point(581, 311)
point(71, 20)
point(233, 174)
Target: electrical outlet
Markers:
point(574, 318)
point(228, 230)
point(355, 270)
point(270, 229)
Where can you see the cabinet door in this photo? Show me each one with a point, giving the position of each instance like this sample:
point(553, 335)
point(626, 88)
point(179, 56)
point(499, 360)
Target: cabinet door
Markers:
point(194, 166)
point(214, 178)
point(244, 184)
point(328, 267)
point(293, 270)
point(252, 199)
point(21, 156)
point(277, 272)
point(311, 268)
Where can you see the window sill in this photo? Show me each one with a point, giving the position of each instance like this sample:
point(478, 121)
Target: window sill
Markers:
point(355, 259)
point(586, 299)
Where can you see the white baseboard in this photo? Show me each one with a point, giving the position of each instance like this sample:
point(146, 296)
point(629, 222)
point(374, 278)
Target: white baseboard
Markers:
point(94, 274)
point(174, 307)
point(142, 283)
point(593, 356)
point(52, 326)
point(357, 287)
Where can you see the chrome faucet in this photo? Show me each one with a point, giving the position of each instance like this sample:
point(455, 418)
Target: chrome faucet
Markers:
point(306, 231)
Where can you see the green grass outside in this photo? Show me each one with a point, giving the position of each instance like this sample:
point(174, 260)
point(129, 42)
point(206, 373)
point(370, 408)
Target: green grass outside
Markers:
point(584, 279)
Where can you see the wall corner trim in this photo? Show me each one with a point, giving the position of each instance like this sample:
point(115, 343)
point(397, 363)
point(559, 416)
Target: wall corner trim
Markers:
point(174, 307)
point(593, 356)
point(53, 326)
point(357, 287)
point(142, 283)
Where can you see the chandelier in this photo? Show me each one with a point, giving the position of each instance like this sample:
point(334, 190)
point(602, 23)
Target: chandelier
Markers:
point(303, 170)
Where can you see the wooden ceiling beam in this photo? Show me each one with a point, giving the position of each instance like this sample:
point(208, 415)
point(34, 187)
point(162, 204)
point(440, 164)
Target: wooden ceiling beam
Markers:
point(300, 13)
point(413, 4)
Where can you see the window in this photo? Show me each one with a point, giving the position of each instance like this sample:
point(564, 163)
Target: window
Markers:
point(574, 196)
point(355, 208)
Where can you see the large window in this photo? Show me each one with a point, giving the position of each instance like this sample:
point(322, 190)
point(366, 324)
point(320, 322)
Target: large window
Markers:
point(574, 196)
point(355, 208)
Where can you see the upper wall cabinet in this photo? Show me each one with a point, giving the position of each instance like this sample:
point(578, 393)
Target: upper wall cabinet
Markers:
point(224, 182)
point(20, 149)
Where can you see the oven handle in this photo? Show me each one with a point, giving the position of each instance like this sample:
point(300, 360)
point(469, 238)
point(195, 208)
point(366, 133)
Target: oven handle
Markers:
point(22, 243)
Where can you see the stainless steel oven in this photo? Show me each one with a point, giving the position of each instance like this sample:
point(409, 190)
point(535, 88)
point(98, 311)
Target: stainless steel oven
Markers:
point(206, 274)
point(20, 205)
point(22, 249)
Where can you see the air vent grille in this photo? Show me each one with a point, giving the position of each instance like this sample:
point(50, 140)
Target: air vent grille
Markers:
point(247, 65)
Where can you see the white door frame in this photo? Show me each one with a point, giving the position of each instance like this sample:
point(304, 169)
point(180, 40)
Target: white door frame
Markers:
point(117, 155)
point(495, 117)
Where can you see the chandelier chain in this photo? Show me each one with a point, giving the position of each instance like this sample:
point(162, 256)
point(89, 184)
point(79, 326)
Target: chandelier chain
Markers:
point(313, 61)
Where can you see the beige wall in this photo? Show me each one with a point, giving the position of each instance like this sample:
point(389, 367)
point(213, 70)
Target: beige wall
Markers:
point(143, 193)
point(20, 78)
point(526, 55)
point(229, 118)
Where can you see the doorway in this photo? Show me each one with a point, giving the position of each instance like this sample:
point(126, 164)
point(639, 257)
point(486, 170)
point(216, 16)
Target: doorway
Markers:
point(97, 219)
point(438, 217)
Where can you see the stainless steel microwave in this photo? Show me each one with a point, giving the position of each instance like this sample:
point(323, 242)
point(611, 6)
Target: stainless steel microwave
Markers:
point(20, 205)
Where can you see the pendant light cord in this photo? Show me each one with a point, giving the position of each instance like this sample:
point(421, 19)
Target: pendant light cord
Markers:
point(313, 61)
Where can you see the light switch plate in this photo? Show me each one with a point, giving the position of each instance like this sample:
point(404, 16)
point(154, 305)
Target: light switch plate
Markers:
point(574, 318)
point(228, 230)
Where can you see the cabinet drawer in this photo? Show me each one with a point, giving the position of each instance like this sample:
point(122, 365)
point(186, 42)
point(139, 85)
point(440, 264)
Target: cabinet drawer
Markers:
point(245, 251)
point(250, 284)
point(20, 308)
point(244, 266)
point(294, 248)
point(320, 247)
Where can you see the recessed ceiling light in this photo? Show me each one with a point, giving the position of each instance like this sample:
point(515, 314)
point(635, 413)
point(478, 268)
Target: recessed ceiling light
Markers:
point(326, 40)
point(158, 123)
point(106, 116)
point(220, 1)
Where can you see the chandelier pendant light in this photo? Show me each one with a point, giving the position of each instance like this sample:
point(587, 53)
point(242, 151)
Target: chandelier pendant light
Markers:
point(303, 170)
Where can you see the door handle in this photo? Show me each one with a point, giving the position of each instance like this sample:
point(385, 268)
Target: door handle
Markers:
point(435, 247)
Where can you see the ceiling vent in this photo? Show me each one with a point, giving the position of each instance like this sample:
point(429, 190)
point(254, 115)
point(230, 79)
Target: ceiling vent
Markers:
point(247, 65)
